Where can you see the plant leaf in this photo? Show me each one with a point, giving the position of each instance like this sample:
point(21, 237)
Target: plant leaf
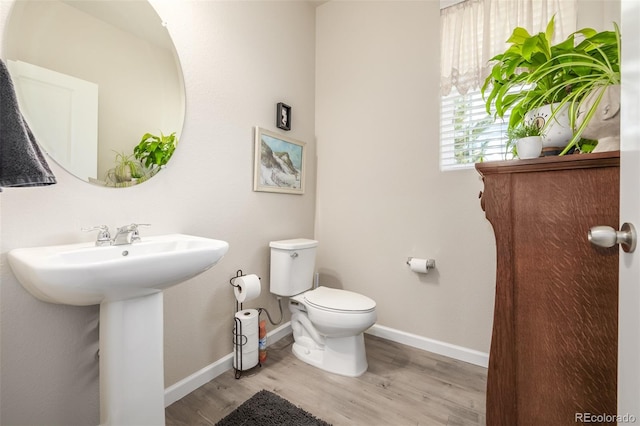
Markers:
point(530, 46)
point(518, 36)
point(549, 31)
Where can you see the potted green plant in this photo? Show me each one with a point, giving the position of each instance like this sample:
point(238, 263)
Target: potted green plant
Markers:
point(155, 151)
point(525, 140)
point(532, 74)
point(511, 88)
point(592, 72)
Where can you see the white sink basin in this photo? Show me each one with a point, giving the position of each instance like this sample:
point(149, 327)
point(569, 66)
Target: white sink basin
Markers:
point(84, 274)
point(127, 281)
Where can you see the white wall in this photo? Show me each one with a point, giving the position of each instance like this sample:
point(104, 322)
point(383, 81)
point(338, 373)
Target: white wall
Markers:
point(381, 196)
point(239, 59)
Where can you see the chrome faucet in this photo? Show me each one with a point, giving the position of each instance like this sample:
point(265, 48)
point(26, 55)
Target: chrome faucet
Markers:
point(124, 235)
point(127, 234)
point(104, 237)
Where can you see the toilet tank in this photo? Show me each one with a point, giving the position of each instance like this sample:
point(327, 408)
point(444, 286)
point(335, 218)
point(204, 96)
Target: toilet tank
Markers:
point(292, 265)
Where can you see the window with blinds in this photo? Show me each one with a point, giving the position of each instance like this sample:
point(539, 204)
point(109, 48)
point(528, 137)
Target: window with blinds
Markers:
point(468, 134)
point(471, 32)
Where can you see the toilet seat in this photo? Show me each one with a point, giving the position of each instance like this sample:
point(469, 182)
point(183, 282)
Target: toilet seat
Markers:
point(336, 300)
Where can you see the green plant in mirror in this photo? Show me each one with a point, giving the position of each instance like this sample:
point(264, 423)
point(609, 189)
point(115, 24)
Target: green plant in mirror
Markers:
point(126, 170)
point(155, 151)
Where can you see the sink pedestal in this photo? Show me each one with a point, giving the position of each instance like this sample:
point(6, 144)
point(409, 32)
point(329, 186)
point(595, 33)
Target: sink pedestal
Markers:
point(131, 362)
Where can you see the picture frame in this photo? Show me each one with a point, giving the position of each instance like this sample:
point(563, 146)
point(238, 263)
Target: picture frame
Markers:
point(279, 163)
point(283, 116)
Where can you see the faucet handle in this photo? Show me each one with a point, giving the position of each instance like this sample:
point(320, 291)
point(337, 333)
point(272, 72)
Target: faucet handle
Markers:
point(104, 236)
point(134, 229)
point(101, 228)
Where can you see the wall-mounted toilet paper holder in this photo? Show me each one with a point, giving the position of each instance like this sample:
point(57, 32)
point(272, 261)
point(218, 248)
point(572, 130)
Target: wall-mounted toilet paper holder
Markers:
point(424, 265)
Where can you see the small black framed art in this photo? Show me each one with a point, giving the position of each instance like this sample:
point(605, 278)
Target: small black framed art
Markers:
point(283, 116)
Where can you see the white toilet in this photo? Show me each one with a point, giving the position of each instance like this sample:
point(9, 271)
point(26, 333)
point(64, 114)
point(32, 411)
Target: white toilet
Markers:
point(328, 324)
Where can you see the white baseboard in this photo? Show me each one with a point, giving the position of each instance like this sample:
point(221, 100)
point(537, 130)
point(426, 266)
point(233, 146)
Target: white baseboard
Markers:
point(190, 383)
point(187, 385)
point(441, 348)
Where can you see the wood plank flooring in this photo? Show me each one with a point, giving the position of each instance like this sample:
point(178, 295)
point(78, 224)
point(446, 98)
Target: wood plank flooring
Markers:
point(403, 386)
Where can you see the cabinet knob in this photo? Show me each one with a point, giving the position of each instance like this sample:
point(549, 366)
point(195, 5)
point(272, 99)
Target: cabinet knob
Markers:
point(606, 236)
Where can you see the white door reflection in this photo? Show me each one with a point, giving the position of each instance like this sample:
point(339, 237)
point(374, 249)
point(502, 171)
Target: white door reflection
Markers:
point(63, 114)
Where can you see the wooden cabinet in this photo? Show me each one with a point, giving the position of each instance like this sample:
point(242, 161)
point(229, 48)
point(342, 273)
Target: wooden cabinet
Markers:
point(554, 344)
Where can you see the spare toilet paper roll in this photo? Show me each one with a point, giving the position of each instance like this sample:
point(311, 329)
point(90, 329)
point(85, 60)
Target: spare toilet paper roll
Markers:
point(247, 288)
point(246, 360)
point(246, 338)
point(248, 319)
point(421, 266)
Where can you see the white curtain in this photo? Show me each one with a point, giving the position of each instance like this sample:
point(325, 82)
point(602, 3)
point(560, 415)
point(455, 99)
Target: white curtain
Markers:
point(474, 31)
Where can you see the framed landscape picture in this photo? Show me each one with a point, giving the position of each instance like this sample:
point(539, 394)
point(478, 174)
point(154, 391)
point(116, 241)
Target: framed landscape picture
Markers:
point(279, 163)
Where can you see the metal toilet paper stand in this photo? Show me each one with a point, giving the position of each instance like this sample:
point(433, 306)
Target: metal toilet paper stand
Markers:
point(239, 338)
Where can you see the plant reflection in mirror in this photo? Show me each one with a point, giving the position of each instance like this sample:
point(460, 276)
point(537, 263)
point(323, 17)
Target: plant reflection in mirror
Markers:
point(127, 171)
point(155, 151)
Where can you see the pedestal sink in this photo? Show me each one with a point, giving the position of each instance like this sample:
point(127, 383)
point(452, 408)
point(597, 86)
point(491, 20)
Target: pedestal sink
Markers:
point(127, 281)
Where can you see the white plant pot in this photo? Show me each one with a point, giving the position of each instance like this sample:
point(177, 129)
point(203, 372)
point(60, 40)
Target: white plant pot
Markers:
point(529, 147)
point(557, 132)
point(605, 123)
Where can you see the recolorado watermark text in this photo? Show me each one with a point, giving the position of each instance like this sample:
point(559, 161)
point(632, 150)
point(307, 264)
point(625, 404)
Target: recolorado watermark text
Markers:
point(604, 418)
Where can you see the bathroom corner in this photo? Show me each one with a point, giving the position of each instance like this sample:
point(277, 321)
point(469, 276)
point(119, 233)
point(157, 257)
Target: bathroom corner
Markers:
point(235, 71)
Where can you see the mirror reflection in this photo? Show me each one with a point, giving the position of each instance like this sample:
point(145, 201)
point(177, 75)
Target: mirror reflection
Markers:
point(100, 85)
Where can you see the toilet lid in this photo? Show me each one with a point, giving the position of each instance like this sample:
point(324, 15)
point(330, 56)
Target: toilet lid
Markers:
point(339, 300)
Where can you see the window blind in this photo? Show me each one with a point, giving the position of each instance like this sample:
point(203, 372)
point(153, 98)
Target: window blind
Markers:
point(467, 133)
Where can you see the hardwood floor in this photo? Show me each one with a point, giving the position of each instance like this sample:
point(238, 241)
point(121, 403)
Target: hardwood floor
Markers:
point(403, 386)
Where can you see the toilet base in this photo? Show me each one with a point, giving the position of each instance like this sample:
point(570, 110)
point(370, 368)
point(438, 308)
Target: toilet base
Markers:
point(340, 355)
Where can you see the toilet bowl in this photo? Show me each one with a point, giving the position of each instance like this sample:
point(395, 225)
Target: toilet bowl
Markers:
point(327, 323)
point(328, 326)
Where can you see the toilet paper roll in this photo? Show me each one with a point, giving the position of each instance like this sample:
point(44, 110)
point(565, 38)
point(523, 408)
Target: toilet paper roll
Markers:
point(246, 361)
point(247, 287)
point(249, 320)
point(421, 266)
point(245, 337)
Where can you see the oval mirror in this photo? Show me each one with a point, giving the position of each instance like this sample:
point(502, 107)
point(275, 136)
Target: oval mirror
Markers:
point(99, 83)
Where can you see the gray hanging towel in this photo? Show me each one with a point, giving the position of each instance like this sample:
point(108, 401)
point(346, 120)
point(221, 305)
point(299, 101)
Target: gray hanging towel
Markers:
point(21, 161)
